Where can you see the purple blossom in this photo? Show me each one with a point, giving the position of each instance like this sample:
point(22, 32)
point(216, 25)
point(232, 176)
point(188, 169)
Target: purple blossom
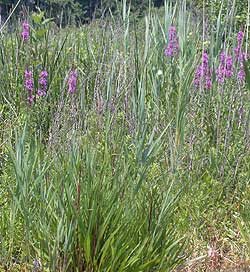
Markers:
point(241, 57)
point(44, 74)
point(240, 37)
point(229, 66)
point(29, 84)
point(72, 81)
point(31, 99)
point(42, 83)
point(173, 43)
point(225, 69)
point(41, 93)
point(198, 76)
point(208, 82)
point(220, 75)
point(223, 58)
point(25, 32)
point(28, 75)
point(241, 74)
point(238, 54)
point(205, 60)
point(203, 73)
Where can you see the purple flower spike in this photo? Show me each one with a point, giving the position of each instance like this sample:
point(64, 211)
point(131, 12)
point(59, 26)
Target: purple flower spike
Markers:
point(203, 74)
point(240, 57)
point(31, 99)
point(72, 81)
point(205, 60)
point(173, 43)
point(238, 50)
point(223, 58)
point(25, 32)
point(241, 74)
point(28, 75)
point(225, 69)
point(42, 83)
point(240, 37)
point(198, 76)
point(41, 93)
point(44, 74)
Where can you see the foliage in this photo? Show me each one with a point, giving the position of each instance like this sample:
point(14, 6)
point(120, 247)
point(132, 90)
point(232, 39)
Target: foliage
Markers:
point(214, 8)
point(138, 170)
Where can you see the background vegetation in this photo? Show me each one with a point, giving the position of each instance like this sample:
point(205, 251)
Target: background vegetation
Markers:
point(82, 11)
point(138, 170)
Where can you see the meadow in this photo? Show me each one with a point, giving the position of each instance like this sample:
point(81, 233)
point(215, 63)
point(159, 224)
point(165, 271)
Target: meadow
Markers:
point(124, 144)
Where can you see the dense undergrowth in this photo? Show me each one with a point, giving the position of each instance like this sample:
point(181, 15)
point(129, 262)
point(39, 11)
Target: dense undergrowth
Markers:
point(125, 163)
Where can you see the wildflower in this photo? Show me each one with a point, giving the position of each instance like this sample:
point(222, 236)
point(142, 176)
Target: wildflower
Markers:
point(241, 74)
point(28, 75)
point(223, 58)
point(31, 99)
point(238, 54)
point(72, 81)
point(229, 67)
point(42, 83)
point(198, 76)
point(241, 57)
point(203, 73)
point(25, 32)
point(173, 43)
point(225, 69)
point(208, 82)
point(240, 37)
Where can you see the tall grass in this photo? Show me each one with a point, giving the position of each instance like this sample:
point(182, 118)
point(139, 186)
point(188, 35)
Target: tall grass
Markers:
point(137, 171)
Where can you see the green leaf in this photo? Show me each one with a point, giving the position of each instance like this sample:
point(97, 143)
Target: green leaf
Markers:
point(46, 21)
point(37, 17)
point(41, 33)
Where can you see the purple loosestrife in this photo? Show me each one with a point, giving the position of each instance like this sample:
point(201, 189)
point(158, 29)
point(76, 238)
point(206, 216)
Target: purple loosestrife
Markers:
point(237, 50)
point(241, 57)
point(203, 74)
point(225, 69)
point(25, 32)
point(42, 83)
point(72, 81)
point(241, 74)
point(229, 66)
point(28, 75)
point(173, 43)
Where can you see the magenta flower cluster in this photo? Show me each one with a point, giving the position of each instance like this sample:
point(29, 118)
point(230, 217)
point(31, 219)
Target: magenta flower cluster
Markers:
point(173, 43)
point(72, 81)
point(42, 83)
point(29, 85)
point(240, 57)
point(237, 50)
point(225, 69)
point(203, 74)
point(25, 32)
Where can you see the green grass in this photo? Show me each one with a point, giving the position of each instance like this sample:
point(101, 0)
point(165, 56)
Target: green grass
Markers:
point(138, 170)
